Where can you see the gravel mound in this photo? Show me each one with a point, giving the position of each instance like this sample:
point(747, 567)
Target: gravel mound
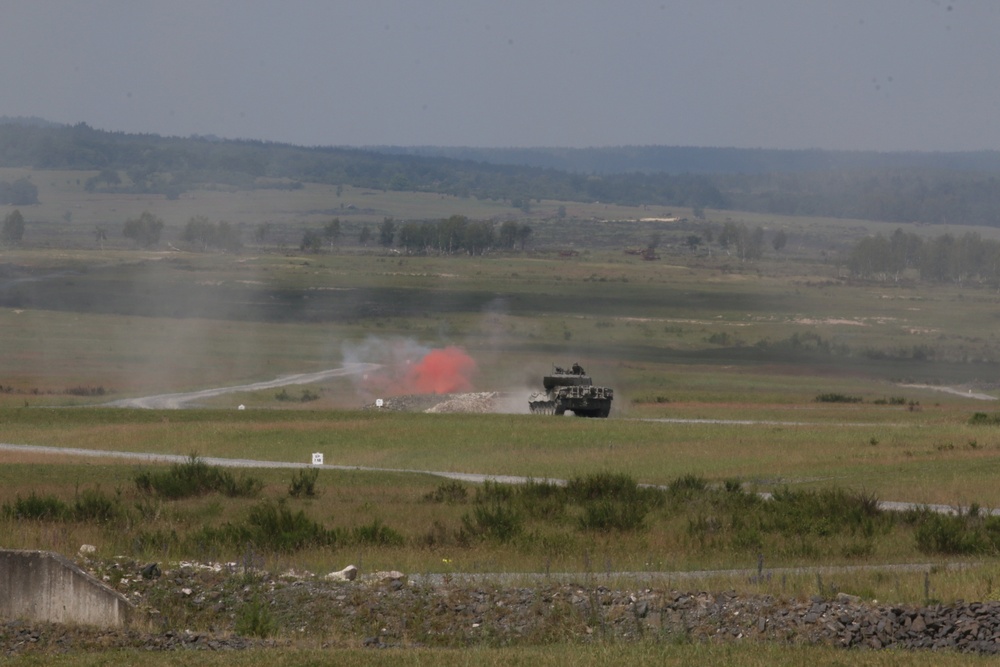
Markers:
point(193, 606)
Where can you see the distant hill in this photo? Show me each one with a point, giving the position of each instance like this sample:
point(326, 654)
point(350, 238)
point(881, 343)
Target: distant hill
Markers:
point(27, 121)
point(702, 160)
point(171, 165)
point(962, 188)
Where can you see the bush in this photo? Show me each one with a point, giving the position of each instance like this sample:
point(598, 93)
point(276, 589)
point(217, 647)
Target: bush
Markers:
point(254, 619)
point(983, 419)
point(304, 483)
point(602, 486)
point(837, 398)
point(92, 505)
point(35, 507)
point(493, 521)
point(377, 534)
point(940, 534)
point(273, 527)
point(606, 515)
point(448, 492)
point(196, 478)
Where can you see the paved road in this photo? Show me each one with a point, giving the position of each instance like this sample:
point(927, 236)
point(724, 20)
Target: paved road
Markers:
point(177, 401)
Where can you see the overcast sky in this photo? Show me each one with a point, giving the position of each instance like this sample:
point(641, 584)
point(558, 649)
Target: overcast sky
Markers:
point(842, 74)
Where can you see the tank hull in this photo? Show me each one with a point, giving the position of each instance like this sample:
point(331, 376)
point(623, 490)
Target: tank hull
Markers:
point(571, 391)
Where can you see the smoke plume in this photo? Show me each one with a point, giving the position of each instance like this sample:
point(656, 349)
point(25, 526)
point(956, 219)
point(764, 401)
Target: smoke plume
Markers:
point(442, 371)
point(411, 368)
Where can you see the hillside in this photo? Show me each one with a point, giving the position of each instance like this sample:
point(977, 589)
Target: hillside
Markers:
point(934, 188)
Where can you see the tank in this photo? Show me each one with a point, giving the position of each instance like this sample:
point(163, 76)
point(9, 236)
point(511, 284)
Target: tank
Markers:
point(571, 389)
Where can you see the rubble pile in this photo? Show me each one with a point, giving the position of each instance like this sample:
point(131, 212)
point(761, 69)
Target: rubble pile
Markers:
point(192, 606)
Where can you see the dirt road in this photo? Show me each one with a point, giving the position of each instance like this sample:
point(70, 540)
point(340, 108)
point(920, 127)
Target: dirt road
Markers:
point(180, 400)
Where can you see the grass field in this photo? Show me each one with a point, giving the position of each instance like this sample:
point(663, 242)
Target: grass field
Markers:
point(782, 375)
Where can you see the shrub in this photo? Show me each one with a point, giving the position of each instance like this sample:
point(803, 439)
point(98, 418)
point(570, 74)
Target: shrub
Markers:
point(606, 515)
point(195, 478)
point(837, 398)
point(35, 507)
point(953, 535)
point(603, 485)
point(254, 619)
point(448, 492)
point(493, 521)
point(304, 483)
point(92, 505)
point(377, 534)
point(271, 526)
point(983, 419)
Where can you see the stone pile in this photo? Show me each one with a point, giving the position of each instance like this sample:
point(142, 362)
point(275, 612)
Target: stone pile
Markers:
point(196, 606)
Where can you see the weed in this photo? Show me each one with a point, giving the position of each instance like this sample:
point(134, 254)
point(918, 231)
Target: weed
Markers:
point(254, 619)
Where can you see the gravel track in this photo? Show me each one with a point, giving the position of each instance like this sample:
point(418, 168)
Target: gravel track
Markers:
point(180, 400)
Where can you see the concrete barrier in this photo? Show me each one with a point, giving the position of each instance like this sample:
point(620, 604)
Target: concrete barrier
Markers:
point(44, 586)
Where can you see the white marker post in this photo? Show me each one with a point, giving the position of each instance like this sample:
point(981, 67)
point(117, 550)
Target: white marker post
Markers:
point(317, 458)
point(379, 403)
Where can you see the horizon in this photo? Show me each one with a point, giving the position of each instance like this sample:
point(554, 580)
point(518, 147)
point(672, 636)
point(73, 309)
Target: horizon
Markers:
point(379, 148)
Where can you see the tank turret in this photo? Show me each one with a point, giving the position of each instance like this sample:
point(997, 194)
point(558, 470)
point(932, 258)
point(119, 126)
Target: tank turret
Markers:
point(573, 390)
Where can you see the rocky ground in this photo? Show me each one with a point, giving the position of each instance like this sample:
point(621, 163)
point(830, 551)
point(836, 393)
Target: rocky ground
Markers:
point(228, 607)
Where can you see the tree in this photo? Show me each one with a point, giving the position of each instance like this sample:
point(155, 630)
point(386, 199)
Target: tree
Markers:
point(332, 231)
point(312, 241)
point(365, 235)
point(144, 230)
point(729, 235)
point(13, 227)
point(100, 235)
point(524, 235)
point(21, 192)
point(260, 232)
point(870, 257)
point(779, 240)
point(451, 232)
point(386, 232)
point(199, 231)
point(508, 234)
point(478, 237)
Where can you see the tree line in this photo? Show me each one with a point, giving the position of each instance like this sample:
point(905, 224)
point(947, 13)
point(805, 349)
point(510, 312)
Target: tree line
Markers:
point(172, 165)
point(965, 259)
point(959, 188)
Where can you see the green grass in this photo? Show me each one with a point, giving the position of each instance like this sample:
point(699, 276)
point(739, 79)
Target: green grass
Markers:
point(666, 653)
point(686, 338)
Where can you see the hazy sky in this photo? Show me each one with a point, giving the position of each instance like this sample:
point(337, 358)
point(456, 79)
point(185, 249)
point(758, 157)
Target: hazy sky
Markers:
point(849, 74)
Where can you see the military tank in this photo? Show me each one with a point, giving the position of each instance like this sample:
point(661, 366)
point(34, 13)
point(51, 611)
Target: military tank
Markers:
point(571, 389)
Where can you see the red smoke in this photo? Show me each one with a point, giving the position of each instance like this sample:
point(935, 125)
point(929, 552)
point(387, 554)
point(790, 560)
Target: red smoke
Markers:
point(441, 372)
